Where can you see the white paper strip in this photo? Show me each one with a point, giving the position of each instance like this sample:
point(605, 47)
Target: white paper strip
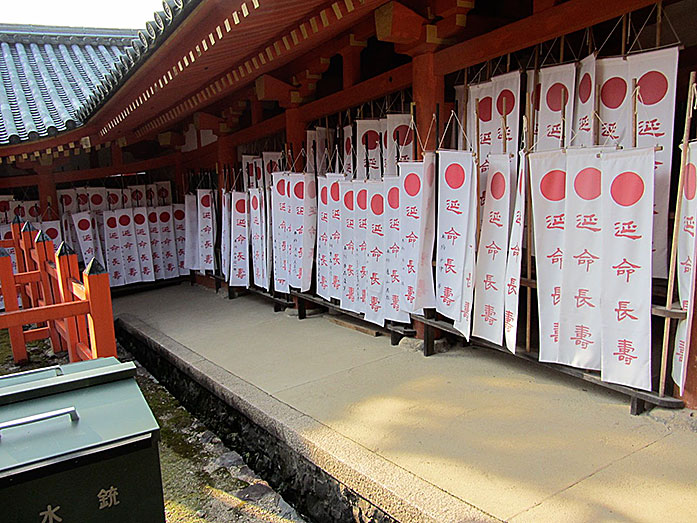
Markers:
point(206, 230)
point(129, 249)
point(348, 238)
point(158, 259)
point(394, 274)
point(375, 240)
point(114, 261)
point(323, 271)
point(140, 220)
point(225, 234)
point(336, 246)
point(360, 192)
point(627, 218)
point(191, 232)
point(180, 236)
point(168, 241)
point(239, 267)
point(85, 235)
point(281, 243)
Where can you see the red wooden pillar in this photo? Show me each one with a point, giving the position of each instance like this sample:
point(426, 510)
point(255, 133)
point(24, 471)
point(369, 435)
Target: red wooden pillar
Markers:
point(295, 133)
point(351, 65)
point(48, 196)
point(428, 91)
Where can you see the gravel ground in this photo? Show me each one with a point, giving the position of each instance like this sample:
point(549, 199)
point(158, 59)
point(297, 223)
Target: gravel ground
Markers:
point(203, 480)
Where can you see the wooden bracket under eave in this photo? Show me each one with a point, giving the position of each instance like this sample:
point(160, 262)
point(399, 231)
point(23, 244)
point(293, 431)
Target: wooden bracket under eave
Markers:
point(398, 24)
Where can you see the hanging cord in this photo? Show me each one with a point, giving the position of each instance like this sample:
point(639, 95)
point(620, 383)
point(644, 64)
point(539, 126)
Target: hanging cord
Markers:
point(607, 39)
point(445, 131)
point(463, 131)
point(670, 24)
point(549, 52)
point(416, 131)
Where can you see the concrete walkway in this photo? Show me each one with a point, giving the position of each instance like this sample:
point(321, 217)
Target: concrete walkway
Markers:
point(509, 438)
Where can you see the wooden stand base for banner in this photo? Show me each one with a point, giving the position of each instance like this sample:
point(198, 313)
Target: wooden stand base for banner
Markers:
point(397, 331)
point(638, 398)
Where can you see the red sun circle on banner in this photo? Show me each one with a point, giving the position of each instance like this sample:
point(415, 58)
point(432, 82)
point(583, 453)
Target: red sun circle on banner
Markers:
point(19, 211)
point(323, 195)
point(8, 235)
point(299, 190)
point(454, 175)
point(152, 217)
point(348, 200)
point(377, 204)
point(627, 188)
point(4, 206)
point(584, 88)
point(124, 198)
point(281, 187)
point(82, 199)
point(653, 87)
point(163, 192)
point(536, 95)
point(403, 135)
point(347, 145)
point(690, 181)
point(206, 200)
point(498, 185)
point(384, 140)
point(139, 219)
point(613, 92)
point(335, 191)
point(587, 183)
point(150, 194)
point(179, 215)
point(111, 222)
point(509, 98)
point(255, 202)
point(553, 185)
point(257, 169)
point(113, 198)
point(271, 166)
point(65, 198)
point(370, 139)
point(287, 188)
point(52, 233)
point(557, 95)
point(164, 217)
point(485, 109)
point(137, 195)
point(412, 184)
point(241, 206)
point(83, 224)
point(362, 199)
point(393, 197)
point(34, 211)
point(124, 220)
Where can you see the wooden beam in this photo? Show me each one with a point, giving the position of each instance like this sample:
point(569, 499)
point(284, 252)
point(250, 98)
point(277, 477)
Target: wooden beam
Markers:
point(562, 19)
point(103, 172)
point(272, 89)
point(398, 24)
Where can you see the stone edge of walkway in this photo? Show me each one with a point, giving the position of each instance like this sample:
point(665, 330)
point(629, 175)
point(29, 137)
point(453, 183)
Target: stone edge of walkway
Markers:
point(399, 493)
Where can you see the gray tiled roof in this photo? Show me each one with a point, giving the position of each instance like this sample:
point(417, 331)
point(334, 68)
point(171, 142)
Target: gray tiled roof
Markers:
point(47, 74)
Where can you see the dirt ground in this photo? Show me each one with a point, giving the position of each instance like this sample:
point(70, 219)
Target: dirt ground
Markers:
point(203, 481)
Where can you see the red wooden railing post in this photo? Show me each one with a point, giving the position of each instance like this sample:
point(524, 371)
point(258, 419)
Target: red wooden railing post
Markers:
point(9, 291)
point(63, 272)
point(16, 227)
point(27, 244)
point(101, 317)
point(43, 247)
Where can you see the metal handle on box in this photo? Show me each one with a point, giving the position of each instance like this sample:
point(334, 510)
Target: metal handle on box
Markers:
point(71, 411)
point(57, 368)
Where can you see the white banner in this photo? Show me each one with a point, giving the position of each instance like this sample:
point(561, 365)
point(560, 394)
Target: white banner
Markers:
point(615, 103)
point(336, 247)
point(349, 296)
point(515, 252)
point(480, 106)
point(548, 192)
point(580, 317)
point(361, 217)
point(628, 219)
point(685, 268)
point(304, 207)
point(225, 234)
point(656, 76)
point(399, 140)
point(323, 271)
point(158, 259)
point(85, 236)
point(191, 232)
point(114, 198)
point(584, 104)
point(555, 118)
point(129, 249)
point(239, 265)
point(348, 151)
point(138, 196)
point(144, 247)
point(368, 149)
point(281, 244)
point(375, 240)
point(180, 236)
point(97, 198)
point(68, 200)
point(164, 192)
point(394, 274)
point(114, 260)
point(206, 231)
point(168, 242)
point(258, 244)
point(52, 229)
point(490, 281)
point(456, 172)
point(248, 175)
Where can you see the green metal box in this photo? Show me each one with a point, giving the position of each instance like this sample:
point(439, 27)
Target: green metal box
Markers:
point(78, 444)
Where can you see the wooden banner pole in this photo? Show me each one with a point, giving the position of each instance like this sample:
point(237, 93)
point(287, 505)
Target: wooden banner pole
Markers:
point(676, 231)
